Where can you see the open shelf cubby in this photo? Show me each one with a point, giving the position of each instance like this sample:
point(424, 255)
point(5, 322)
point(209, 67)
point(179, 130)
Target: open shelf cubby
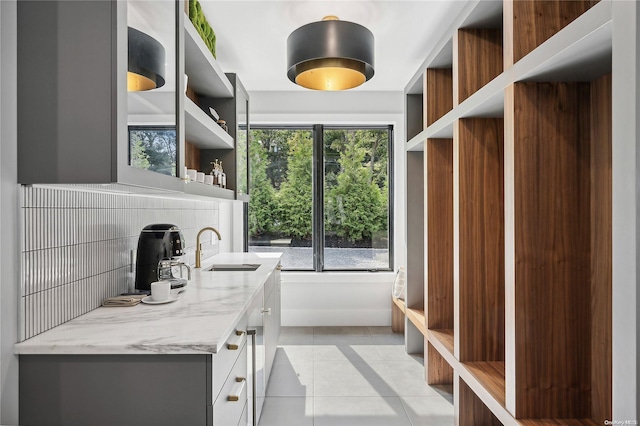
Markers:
point(560, 257)
point(479, 252)
point(438, 84)
point(472, 411)
point(529, 23)
point(439, 371)
point(414, 109)
point(439, 233)
point(478, 60)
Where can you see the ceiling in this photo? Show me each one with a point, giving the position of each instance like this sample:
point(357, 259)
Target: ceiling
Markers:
point(252, 36)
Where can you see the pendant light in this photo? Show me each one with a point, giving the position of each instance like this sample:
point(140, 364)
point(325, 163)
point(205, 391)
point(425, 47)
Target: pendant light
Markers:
point(330, 55)
point(146, 62)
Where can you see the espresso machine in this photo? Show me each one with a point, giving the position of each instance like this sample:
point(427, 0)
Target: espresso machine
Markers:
point(160, 248)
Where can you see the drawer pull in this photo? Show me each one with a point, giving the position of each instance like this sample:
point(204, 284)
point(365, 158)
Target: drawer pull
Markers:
point(234, 345)
point(237, 390)
point(266, 311)
point(279, 267)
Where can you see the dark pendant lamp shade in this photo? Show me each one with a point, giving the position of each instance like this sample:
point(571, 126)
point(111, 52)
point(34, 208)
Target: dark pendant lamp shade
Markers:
point(330, 55)
point(146, 62)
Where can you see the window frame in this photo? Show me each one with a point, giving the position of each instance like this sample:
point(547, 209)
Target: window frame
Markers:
point(317, 185)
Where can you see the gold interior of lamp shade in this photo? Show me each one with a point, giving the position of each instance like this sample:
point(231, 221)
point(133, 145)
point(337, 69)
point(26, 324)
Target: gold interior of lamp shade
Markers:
point(330, 74)
point(137, 82)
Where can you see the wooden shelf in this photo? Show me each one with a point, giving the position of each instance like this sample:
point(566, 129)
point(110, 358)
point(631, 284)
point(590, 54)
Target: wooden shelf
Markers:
point(490, 375)
point(416, 316)
point(202, 131)
point(205, 74)
point(443, 340)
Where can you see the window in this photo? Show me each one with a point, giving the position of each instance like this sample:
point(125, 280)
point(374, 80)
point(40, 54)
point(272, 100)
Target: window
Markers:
point(321, 196)
point(153, 148)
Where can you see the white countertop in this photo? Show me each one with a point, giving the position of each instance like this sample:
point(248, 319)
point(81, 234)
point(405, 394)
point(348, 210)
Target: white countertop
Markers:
point(203, 316)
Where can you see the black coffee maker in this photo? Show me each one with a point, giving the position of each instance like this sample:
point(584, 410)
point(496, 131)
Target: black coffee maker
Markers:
point(159, 249)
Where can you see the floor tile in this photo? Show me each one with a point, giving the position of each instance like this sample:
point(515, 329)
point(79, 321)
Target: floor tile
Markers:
point(342, 336)
point(347, 330)
point(291, 378)
point(296, 336)
point(351, 378)
point(292, 353)
point(408, 377)
point(429, 411)
point(359, 411)
point(286, 411)
point(391, 352)
point(384, 336)
point(363, 353)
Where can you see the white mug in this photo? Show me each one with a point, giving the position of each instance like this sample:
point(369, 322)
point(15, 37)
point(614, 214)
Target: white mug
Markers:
point(160, 290)
point(208, 179)
point(200, 177)
point(192, 174)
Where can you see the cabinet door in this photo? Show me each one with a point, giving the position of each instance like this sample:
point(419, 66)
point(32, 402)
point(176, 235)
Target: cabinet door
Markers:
point(272, 320)
point(73, 125)
point(255, 359)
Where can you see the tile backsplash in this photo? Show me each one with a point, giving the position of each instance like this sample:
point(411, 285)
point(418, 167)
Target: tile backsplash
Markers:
point(78, 243)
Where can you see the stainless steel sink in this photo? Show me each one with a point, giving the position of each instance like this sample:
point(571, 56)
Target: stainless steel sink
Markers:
point(234, 267)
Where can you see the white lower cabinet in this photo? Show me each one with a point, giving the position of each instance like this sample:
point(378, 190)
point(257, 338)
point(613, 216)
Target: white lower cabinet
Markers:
point(231, 401)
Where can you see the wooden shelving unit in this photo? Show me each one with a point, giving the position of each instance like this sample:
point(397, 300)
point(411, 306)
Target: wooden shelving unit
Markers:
point(516, 151)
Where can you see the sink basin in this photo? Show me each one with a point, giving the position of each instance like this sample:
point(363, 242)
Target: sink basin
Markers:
point(234, 267)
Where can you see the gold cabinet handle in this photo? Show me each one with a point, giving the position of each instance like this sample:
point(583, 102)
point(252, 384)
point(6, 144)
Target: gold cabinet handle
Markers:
point(236, 392)
point(235, 344)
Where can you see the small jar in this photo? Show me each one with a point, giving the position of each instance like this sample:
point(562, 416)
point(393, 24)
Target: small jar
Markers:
point(223, 124)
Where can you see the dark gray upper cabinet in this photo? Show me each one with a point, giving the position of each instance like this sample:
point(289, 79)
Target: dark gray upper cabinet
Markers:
point(74, 110)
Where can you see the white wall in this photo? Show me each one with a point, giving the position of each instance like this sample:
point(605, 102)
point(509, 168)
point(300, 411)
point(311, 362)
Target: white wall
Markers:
point(332, 298)
point(9, 249)
point(314, 299)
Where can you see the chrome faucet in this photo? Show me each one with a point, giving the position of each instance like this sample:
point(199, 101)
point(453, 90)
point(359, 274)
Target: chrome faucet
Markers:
point(198, 245)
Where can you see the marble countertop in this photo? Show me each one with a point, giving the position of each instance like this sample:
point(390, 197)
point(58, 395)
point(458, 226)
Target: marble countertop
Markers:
point(203, 316)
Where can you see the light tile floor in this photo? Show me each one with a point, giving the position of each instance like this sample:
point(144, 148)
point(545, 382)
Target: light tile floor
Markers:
point(352, 376)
